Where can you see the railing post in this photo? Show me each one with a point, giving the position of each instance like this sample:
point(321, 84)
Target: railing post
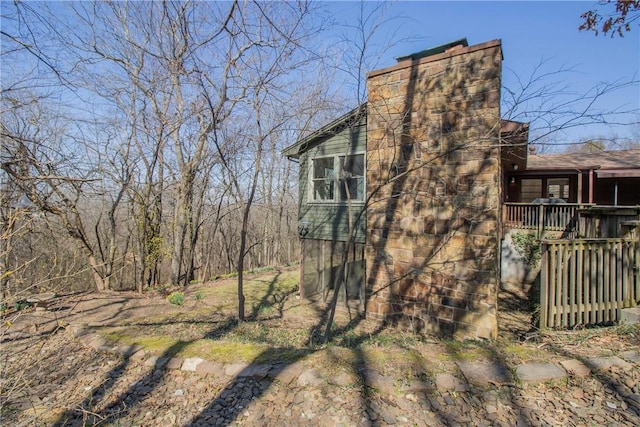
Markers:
point(540, 220)
point(635, 269)
point(544, 296)
point(504, 214)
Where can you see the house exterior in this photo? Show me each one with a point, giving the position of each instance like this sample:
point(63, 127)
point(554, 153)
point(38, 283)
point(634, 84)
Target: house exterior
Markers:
point(587, 195)
point(331, 204)
point(610, 178)
point(414, 177)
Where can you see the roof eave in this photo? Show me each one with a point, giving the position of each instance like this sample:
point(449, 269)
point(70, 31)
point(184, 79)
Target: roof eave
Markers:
point(434, 50)
point(293, 151)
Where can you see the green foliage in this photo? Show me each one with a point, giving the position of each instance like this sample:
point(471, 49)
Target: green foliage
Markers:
point(176, 298)
point(256, 270)
point(21, 305)
point(159, 288)
point(18, 306)
point(261, 269)
point(528, 246)
point(156, 249)
point(629, 330)
point(464, 350)
point(224, 276)
point(265, 309)
point(199, 296)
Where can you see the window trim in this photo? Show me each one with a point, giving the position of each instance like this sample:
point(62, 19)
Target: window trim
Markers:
point(336, 180)
point(563, 183)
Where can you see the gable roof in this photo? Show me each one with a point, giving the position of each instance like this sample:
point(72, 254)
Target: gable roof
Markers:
point(293, 151)
point(302, 145)
point(510, 126)
point(607, 164)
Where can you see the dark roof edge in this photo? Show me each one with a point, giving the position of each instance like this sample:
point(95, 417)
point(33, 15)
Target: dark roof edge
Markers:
point(437, 57)
point(294, 150)
point(434, 50)
point(512, 126)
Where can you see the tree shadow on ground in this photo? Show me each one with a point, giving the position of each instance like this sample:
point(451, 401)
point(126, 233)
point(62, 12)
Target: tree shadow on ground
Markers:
point(254, 380)
point(611, 383)
point(378, 394)
point(126, 401)
point(251, 382)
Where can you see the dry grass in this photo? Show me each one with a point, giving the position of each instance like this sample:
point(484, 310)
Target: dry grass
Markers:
point(282, 327)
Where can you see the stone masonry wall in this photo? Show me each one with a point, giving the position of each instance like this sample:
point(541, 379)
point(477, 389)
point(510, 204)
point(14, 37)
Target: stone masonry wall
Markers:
point(433, 175)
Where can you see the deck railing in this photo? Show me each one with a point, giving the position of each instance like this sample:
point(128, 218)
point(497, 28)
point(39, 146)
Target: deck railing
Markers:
point(587, 281)
point(541, 217)
point(572, 219)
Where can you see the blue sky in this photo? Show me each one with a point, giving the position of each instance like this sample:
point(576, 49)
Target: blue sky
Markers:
point(531, 33)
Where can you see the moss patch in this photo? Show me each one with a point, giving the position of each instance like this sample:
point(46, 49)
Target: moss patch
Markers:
point(464, 351)
point(522, 353)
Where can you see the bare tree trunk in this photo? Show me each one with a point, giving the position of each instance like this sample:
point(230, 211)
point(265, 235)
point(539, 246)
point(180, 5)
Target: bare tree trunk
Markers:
point(7, 229)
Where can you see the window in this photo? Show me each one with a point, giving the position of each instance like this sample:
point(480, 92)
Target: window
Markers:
point(558, 188)
point(323, 178)
point(352, 177)
point(337, 178)
point(530, 189)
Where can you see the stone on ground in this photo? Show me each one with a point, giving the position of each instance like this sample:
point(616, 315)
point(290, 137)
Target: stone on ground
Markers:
point(485, 373)
point(534, 373)
point(576, 368)
point(603, 363)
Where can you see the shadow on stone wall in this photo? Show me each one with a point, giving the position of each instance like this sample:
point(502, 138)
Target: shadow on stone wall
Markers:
point(433, 172)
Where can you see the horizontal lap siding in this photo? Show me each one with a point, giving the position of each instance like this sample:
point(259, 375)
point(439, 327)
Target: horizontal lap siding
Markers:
point(330, 221)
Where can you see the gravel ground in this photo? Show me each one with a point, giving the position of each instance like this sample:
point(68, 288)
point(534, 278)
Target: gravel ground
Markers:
point(53, 375)
point(62, 380)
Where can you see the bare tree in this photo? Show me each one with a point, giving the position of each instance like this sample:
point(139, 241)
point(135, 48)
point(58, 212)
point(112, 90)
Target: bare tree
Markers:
point(48, 155)
point(547, 100)
point(272, 52)
point(53, 181)
point(166, 59)
point(13, 208)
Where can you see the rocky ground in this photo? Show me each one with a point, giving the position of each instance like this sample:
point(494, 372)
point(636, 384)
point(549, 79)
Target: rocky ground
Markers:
point(65, 373)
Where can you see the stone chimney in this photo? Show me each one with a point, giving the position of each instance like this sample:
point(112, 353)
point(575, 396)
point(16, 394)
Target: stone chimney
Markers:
point(433, 176)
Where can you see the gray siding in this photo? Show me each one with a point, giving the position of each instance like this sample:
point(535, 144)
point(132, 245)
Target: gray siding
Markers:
point(330, 221)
